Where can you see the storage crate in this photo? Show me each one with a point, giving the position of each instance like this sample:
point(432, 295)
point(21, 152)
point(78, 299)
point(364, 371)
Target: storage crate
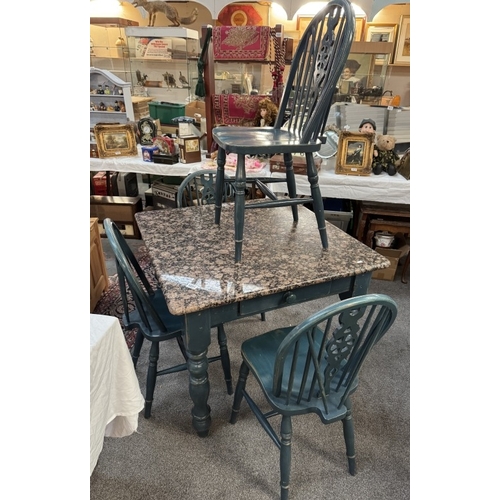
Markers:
point(166, 111)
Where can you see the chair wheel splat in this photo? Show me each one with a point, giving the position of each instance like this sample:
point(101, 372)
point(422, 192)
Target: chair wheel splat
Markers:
point(313, 368)
point(303, 111)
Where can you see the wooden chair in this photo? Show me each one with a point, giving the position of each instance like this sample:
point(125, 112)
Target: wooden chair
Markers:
point(306, 101)
point(198, 188)
point(313, 368)
point(148, 312)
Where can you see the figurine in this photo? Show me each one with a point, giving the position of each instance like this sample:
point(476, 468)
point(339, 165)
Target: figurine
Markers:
point(117, 106)
point(171, 13)
point(266, 115)
point(141, 79)
point(367, 126)
point(102, 106)
point(107, 91)
point(183, 79)
point(169, 79)
point(100, 90)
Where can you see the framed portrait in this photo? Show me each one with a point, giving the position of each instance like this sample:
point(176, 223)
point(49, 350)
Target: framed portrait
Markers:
point(402, 52)
point(115, 139)
point(355, 152)
point(303, 22)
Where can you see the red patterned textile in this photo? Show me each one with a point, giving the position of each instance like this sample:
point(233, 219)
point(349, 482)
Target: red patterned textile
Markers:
point(236, 43)
point(232, 109)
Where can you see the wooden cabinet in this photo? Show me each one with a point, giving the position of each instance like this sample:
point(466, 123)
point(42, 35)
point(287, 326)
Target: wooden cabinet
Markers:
point(98, 273)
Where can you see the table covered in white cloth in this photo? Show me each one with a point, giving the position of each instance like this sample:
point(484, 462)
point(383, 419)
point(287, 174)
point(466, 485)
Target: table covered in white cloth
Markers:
point(115, 396)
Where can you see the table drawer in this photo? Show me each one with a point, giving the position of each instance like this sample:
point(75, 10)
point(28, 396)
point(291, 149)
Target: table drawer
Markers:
point(282, 299)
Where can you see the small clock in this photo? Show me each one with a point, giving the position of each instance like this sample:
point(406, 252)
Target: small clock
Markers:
point(147, 131)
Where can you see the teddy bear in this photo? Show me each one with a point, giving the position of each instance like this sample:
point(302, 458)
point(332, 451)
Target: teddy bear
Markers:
point(384, 156)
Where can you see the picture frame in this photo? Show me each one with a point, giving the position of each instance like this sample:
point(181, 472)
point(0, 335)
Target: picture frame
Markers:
point(381, 32)
point(303, 22)
point(115, 139)
point(402, 52)
point(355, 153)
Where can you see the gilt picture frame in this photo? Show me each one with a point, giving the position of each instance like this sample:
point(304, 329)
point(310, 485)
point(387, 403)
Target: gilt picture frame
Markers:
point(402, 52)
point(115, 139)
point(355, 153)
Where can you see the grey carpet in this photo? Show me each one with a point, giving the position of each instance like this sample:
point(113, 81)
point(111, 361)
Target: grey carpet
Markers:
point(165, 459)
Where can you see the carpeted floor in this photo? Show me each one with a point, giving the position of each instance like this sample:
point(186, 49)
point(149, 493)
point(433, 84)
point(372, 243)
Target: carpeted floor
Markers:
point(165, 459)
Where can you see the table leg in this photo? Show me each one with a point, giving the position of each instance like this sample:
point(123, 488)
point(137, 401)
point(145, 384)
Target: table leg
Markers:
point(199, 390)
point(197, 341)
point(219, 183)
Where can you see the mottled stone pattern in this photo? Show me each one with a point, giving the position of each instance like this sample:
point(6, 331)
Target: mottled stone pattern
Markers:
point(194, 258)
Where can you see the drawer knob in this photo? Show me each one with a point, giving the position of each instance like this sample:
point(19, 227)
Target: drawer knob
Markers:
point(290, 297)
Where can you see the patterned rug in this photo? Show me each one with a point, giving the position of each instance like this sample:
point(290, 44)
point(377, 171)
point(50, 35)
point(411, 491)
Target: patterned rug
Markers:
point(111, 304)
point(236, 43)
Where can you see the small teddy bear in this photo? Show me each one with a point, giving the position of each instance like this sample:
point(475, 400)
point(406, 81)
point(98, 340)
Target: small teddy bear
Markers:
point(384, 156)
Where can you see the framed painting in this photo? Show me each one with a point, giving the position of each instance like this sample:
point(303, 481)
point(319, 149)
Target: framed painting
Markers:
point(355, 152)
point(402, 52)
point(303, 22)
point(115, 139)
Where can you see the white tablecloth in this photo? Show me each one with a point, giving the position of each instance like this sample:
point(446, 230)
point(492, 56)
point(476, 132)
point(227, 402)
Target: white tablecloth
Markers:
point(115, 396)
point(381, 188)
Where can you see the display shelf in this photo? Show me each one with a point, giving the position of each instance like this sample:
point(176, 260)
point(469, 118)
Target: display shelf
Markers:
point(163, 62)
point(100, 79)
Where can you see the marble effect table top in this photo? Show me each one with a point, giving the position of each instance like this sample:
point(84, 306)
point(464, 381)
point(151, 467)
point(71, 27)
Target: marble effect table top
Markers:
point(194, 258)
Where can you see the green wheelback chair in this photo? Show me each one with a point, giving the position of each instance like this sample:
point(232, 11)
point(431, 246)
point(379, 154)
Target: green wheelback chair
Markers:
point(302, 115)
point(313, 368)
point(148, 312)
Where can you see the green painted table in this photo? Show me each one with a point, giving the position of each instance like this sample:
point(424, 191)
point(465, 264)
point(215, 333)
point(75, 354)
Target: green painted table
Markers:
point(282, 264)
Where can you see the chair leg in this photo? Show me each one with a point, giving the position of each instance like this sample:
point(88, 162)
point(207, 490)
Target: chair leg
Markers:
point(319, 211)
point(285, 455)
point(219, 183)
point(239, 206)
point(238, 393)
point(263, 316)
point(154, 353)
point(224, 358)
point(136, 350)
point(290, 182)
point(348, 426)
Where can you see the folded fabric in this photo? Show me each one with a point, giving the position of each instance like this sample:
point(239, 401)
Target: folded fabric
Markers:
point(236, 43)
point(251, 164)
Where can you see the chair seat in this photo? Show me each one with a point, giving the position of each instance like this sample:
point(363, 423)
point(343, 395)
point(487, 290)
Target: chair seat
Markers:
point(261, 140)
point(259, 353)
point(175, 323)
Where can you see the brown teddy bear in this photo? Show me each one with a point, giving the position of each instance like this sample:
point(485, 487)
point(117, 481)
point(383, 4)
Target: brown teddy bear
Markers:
point(384, 156)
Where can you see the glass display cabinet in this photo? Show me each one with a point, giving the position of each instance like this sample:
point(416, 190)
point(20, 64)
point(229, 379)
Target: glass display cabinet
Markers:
point(363, 78)
point(163, 62)
point(109, 47)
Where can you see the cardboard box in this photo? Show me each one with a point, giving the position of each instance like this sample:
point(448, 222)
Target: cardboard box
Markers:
point(393, 255)
point(299, 164)
point(195, 107)
point(99, 184)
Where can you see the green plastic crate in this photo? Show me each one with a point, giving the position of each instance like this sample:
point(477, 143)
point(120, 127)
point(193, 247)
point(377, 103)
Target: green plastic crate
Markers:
point(166, 111)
